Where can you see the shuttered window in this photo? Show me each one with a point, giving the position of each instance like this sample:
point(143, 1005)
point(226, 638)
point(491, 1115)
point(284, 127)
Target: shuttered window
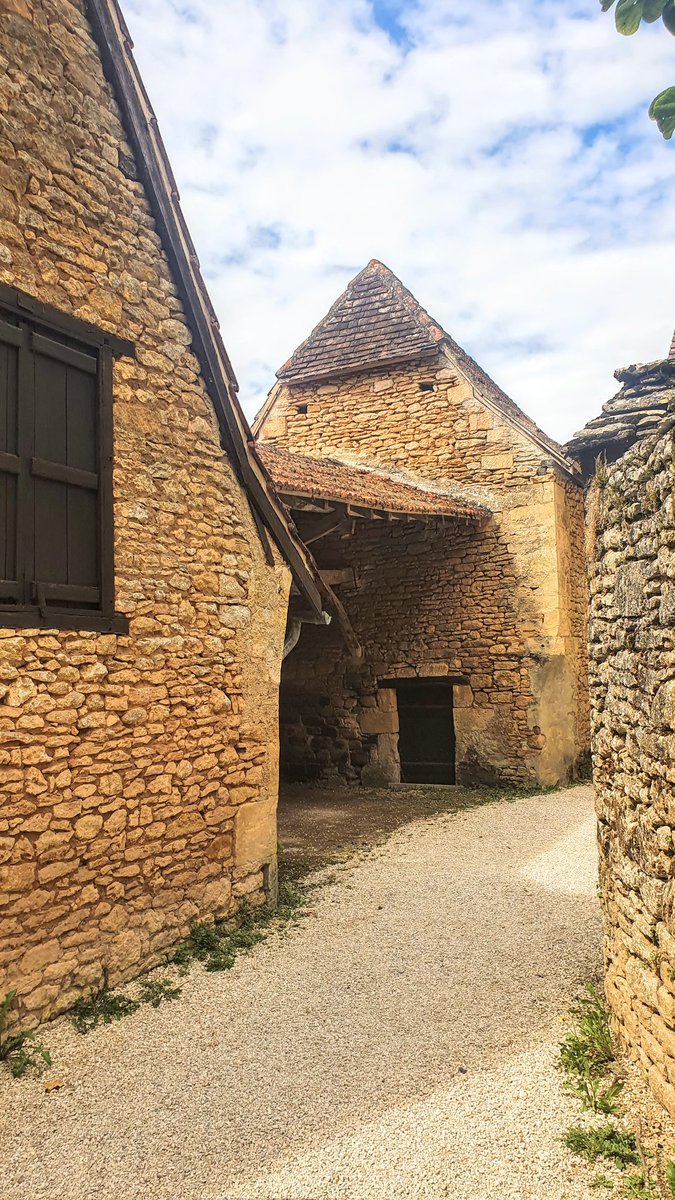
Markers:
point(56, 506)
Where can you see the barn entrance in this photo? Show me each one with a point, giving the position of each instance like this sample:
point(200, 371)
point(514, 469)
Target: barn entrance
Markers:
point(426, 739)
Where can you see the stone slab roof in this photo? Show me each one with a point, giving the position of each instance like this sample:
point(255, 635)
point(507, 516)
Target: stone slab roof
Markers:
point(377, 322)
point(646, 397)
point(344, 483)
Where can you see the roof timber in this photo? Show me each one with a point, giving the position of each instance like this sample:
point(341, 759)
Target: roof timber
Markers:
point(321, 505)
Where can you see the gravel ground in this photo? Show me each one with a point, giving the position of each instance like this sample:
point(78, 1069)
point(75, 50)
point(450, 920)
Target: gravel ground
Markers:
point(398, 1042)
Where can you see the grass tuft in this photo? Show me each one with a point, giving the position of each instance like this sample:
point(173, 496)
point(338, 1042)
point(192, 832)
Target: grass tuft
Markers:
point(217, 945)
point(638, 1187)
point(157, 991)
point(587, 1053)
point(101, 1008)
point(19, 1051)
point(604, 1141)
point(104, 1006)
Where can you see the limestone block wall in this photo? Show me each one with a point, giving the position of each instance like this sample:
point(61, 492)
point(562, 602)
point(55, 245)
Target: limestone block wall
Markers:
point(505, 606)
point(431, 601)
point(138, 774)
point(632, 673)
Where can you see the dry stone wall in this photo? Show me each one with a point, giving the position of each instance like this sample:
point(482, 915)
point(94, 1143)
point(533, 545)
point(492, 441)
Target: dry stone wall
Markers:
point(138, 774)
point(632, 673)
point(504, 605)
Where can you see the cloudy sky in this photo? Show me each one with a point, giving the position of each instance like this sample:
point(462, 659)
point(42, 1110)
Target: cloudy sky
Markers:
point(496, 154)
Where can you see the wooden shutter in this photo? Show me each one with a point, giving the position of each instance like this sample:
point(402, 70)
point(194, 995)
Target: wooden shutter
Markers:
point(56, 460)
point(65, 470)
point(11, 586)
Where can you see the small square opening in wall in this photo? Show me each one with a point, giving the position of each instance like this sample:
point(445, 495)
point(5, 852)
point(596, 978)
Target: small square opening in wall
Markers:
point(302, 409)
point(426, 387)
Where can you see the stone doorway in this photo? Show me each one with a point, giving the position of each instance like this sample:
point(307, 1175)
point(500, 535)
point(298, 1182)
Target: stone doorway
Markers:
point(426, 731)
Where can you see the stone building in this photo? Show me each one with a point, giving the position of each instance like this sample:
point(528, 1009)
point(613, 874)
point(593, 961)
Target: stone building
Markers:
point(629, 453)
point(452, 528)
point(144, 555)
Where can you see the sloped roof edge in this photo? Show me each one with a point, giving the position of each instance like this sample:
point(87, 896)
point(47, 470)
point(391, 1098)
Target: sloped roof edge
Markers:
point(357, 483)
point(140, 122)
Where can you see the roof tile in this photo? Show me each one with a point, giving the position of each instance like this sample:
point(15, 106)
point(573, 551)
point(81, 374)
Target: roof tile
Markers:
point(376, 322)
point(344, 483)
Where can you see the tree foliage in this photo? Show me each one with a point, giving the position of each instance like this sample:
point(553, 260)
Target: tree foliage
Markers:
point(629, 15)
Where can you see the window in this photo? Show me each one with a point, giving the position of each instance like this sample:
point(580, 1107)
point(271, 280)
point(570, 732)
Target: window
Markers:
point(56, 505)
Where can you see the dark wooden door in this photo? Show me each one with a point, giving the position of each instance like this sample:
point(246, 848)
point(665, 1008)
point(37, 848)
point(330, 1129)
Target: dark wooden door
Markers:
point(426, 739)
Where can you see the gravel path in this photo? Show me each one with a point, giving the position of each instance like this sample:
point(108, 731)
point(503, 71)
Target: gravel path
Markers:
point(398, 1042)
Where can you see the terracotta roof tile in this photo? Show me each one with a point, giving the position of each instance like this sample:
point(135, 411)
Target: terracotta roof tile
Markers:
point(330, 479)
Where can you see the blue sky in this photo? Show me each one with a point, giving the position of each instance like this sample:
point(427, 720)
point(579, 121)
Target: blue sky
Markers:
point(496, 155)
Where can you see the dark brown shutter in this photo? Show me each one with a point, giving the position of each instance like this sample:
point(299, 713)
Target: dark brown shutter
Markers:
point(10, 582)
point(65, 472)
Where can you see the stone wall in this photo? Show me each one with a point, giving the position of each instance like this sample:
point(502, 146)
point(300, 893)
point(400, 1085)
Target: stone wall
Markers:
point(632, 672)
point(504, 606)
point(138, 773)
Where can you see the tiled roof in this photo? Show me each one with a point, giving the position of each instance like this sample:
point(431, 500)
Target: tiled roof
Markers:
point(374, 322)
point(343, 483)
point(647, 396)
point(377, 322)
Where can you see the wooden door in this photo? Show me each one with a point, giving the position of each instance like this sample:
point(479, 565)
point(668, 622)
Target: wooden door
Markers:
point(426, 740)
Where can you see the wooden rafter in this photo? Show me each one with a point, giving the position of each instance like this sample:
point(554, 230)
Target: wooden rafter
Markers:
point(333, 520)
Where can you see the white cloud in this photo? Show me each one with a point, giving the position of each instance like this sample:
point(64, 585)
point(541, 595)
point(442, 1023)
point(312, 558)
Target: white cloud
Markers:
point(498, 158)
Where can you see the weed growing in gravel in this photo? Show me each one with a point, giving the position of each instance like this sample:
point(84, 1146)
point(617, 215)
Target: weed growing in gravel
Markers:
point(156, 991)
point(19, 1050)
point(601, 1181)
point(488, 794)
point(587, 1053)
point(638, 1187)
point(103, 1006)
point(670, 1176)
point(603, 1141)
point(217, 945)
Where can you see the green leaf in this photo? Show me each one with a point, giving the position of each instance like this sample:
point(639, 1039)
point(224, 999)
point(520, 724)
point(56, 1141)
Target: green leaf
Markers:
point(653, 9)
point(628, 16)
point(662, 110)
point(669, 16)
point(670, 1176)
point(606, 5)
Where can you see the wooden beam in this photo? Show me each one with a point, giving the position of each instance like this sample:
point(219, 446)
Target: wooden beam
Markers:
point(326, 525)
point(346, 628)
point(335, 576)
